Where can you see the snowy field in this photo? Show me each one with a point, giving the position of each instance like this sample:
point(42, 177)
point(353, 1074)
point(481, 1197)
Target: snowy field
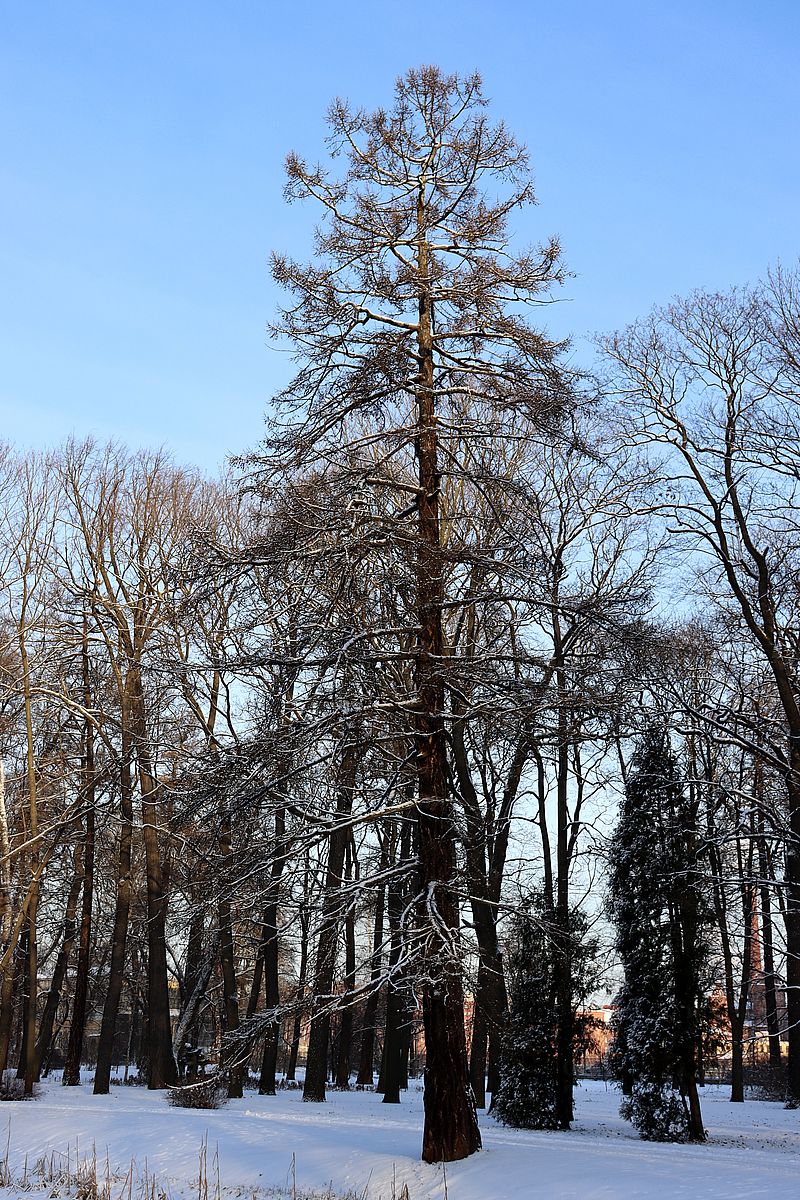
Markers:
point(356, 1146)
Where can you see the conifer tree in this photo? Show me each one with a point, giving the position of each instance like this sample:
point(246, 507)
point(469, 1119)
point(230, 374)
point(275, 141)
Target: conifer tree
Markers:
point(657, 905)
point(528, 1093)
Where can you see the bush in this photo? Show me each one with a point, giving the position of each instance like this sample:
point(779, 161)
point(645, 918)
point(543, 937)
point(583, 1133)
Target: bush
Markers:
point(657, 1112)
point(762, 1081)
point(209, 1091)
point(12, 1088)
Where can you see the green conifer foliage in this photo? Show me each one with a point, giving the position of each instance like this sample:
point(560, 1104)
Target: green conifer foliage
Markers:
point(527, 1096)
point(656, 902)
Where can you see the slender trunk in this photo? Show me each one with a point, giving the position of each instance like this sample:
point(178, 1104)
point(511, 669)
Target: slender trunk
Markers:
point(62, 961)
point(196, 978)
point(562, 962)
point(270, 954)
point(72, 1064)
point(7, 991)
point(737, 1024)
point(684, 926)
point(345, 1047)
point(389, 1082)
point(479, 1042)
point(24, 1026)
point(162, 1070)
point(119, 937)
point(490, 1002)
point(319, 1036)
point(391, 1068)
point(294, 1049)
point(267, 1082)
point(770, 990)
point(367, 1051)
point(6, 923)
point(231, 1055)
point(792, 917)
point(30, 1066)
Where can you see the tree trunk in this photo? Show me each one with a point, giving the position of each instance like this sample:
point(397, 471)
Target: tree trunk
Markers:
point(29, 1037)
point(162, 1071)
point(770, 990)
point(24, 1021)
point(267, 1082)
point(119, 938)
point(230, 1056)
point(737, 1062)
point(367, 1051)
point(72, 1064)
point(60, 968)
point(562, 960)
point(345, 1046)
point(6, 923)
point(294, 1050)
point(478, 1044)
point(270, 953)
point(319, 1036)
point(792, 918)
point(197, 976)
point(451, 1123)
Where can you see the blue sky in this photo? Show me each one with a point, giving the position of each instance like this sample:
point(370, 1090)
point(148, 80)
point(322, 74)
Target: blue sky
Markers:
point(141, 150)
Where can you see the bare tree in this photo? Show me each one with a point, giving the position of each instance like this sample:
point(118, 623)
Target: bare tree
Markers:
point(713, 381)
point(411, 329)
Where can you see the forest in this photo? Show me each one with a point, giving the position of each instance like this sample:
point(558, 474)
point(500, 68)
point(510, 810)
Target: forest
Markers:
point(464, 703)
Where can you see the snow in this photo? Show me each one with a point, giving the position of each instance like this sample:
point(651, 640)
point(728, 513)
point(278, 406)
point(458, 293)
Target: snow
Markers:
point(354, 1142)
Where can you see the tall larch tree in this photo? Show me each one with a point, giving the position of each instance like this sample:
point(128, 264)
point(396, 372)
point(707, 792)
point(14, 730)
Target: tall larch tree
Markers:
point(412, 332)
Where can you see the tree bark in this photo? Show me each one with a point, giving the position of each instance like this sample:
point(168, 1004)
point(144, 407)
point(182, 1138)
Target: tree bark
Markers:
point(230, 1057)
point(770, 990)
point(60, 968)
point(294, 1050)
point(451, 1124)
point(162, 1071)
point(319, 1036)
point(367, 1051)
point(119, 938)
point(72, 1065)
point(345, 1040)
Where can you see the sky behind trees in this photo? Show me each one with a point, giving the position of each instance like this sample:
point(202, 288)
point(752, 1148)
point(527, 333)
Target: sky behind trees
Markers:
point(141, 179)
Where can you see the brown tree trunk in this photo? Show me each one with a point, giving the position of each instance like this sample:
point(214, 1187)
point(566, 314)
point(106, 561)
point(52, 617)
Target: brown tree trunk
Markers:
point(162, 1071)
point(367, 1050)
point(267, 1082)
point(345, 1039)
point(684, 931)
point(562, 960)
point(770, 990)
point(230, 1056)
point(25, 1006)
point(294, 1049)
point(389, 1081)
point(485, 872)
point(319, 1036)
point(197, 976)
point(792, 918)
point(270, 953)
point(451, 1123)
point(60, 968)
point(72, 1064)
point(479, 1042)
point(119, 938)
point(7, 992)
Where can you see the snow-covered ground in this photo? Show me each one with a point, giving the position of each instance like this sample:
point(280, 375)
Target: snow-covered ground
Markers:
point(355, 1144)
